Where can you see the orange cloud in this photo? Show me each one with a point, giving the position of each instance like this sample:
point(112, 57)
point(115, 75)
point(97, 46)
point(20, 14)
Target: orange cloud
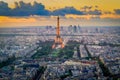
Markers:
point(80, 16)
point(88, 17)
point(15, 20)
point(112, 16)
point(70, 19)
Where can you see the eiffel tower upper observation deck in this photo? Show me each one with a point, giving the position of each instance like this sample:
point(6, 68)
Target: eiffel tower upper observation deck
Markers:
point(58, 40)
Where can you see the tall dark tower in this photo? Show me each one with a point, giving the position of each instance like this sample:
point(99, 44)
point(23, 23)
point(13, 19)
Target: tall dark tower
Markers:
point(58, 40)
point(58, 28)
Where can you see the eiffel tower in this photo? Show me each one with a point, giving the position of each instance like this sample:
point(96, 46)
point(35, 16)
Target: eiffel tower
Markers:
point(58, 40)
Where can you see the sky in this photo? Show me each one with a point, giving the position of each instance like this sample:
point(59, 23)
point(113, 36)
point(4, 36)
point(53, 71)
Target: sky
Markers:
point(20, 13)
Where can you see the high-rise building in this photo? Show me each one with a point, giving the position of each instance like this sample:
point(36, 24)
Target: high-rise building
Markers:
point(75, 29)
point(58, 40)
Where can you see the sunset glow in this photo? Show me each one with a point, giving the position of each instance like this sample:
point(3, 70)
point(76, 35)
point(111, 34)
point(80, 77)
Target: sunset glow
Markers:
point(76, 10)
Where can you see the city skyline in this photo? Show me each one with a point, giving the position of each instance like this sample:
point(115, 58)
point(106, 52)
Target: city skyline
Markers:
point(59, 39)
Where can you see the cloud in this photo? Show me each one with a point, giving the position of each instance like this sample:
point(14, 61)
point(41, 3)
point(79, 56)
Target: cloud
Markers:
point(85, 8)
point(117, 11)
point(4, 9)
point(107, 12)
point(91, 10)
point(22, 21)
point(94, 12)
point(66, 10)
point(23, 9)
point(26, 9)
